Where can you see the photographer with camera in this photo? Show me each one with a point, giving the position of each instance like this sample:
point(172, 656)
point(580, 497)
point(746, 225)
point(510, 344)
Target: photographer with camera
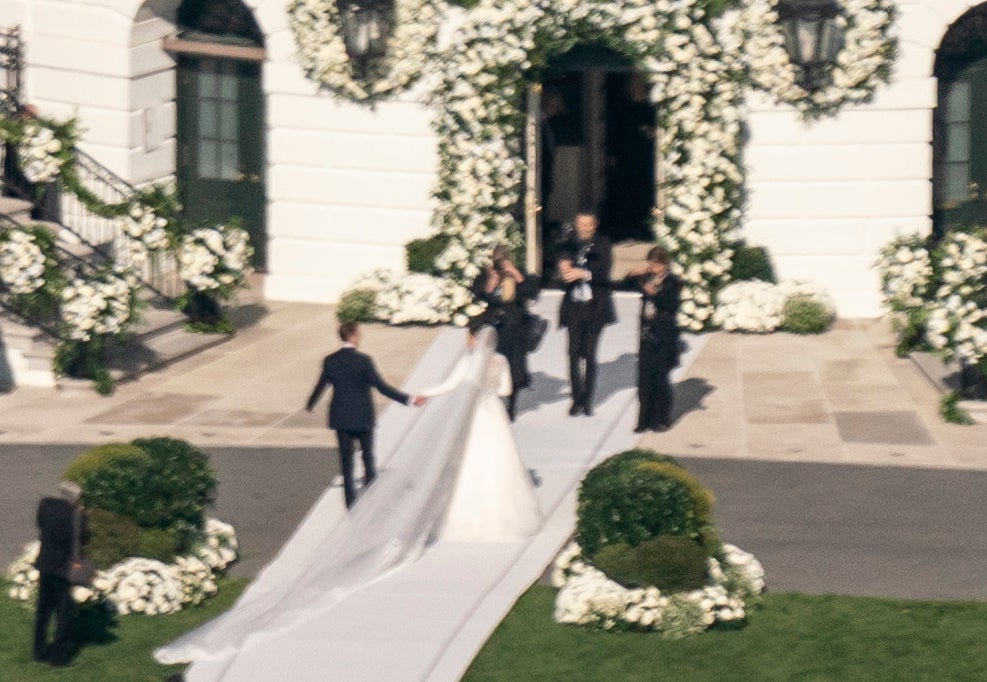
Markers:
point(506, 289)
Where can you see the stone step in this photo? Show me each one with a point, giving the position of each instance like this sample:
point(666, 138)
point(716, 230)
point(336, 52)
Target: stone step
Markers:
point(16, 209)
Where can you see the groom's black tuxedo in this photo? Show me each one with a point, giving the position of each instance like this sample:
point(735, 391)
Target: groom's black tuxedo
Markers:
point(352, 375)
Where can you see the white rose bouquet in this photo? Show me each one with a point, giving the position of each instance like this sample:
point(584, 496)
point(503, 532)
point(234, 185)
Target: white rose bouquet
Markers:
point(213, 263)
point(957, 321)
point(22, 261)
point(98, 304)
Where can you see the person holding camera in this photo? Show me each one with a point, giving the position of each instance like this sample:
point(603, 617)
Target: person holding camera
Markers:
point(506, 289)
point(658, 350)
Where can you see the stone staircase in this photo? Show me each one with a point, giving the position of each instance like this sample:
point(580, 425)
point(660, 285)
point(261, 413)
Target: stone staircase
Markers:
point(158, 339)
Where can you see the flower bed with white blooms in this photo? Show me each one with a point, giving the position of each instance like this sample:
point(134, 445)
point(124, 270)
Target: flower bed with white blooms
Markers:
point(756, 306)
point(22, 262)
point(215, 258)
point(139, 584)
point(587, 597)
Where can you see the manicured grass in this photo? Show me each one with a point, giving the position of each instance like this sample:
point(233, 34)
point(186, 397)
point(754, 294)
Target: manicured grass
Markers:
point(114, 648)
point(790, 637)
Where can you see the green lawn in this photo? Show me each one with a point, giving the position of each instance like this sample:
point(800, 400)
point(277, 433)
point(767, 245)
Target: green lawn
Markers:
point(113, 649)
point(790, 637)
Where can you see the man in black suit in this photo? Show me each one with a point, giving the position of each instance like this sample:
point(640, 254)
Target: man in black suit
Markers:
point(351, 410)
point(58, 524)
point(587, 305)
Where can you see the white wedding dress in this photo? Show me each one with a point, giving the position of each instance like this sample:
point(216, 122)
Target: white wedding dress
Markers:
point(492, 500)
point(454, 473)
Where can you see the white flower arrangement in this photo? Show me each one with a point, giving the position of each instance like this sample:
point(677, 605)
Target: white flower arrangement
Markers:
point(587, 597)
point(22, 262)
point(139, 584)
point(419, 298)
point(957, 322)
point(40, 152)
point(756, 306)
point(322, 53)
point(99, 303)
point(862, 64)
point(214, 258)
point(144, 232)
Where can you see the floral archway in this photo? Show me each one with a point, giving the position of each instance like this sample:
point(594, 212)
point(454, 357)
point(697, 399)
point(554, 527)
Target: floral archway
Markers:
point(479, 101)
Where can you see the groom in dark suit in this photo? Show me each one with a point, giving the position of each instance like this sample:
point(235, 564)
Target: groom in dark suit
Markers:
point(351, 410)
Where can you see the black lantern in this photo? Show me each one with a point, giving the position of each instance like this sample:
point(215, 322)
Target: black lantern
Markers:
point(813, 37)
point(366, 27)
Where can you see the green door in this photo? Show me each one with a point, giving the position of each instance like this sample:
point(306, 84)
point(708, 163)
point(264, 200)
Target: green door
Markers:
point(221, 145)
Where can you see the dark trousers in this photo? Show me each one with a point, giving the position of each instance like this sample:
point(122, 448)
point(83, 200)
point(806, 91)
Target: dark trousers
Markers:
point(654, 389)
point(346, 440)
point(585, 328)
point(54, 598)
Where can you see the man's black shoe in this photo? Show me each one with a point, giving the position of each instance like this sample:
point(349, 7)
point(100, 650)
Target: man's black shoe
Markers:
point(575, 409)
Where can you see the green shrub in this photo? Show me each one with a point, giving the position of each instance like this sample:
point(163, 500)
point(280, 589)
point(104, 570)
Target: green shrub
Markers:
point(702, 498)
point(99, 456)
point(420, 254)
point(617, 561)
point(671, 563)
point(357, 305)
point(751, 262)
point(159, 543)
point(112, 537)
point(181, 484)
point(120, 486)
point(620, 501)
point(803, 314)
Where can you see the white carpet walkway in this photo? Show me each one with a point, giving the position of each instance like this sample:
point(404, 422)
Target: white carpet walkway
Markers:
point(427, 620)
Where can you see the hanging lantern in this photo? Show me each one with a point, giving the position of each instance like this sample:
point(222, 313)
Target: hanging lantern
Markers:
point(813, 37)
point(366, 27)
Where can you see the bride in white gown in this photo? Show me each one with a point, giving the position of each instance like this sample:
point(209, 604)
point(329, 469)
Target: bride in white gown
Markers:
point(492, 500)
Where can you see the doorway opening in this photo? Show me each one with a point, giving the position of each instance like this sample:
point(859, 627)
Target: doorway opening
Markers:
point(221, 122)
point(597, 152)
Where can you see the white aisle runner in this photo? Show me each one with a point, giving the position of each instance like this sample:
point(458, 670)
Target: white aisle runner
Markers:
point(427, 620)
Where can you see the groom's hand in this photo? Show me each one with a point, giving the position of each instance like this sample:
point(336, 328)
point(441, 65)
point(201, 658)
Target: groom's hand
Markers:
point(419, 400)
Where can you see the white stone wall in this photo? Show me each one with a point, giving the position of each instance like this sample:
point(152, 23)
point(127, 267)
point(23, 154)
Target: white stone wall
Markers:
point(348, 186)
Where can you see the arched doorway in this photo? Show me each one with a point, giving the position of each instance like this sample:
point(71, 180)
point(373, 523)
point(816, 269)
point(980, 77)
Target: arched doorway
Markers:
point(220, 110)
point(960, 125)
point(597, 148)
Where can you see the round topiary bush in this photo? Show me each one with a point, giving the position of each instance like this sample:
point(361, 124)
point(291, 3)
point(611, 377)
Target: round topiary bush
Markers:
point(751, 262)
point(100, 456)
point(357, 305)
point(702, 498)
point(622, 501)
point(671, 563)
point(180, 485)
point(162, 544)
point(119, 485)
point(617, 562)
point(112, 537)
point(803, 314)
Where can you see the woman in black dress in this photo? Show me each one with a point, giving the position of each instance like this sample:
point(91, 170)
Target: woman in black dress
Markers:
point(506, 289)
point(658, 352)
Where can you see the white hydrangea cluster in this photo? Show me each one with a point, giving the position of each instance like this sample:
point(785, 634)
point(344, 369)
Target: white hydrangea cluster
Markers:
point(220, 546)
point(316, 26)
point(905, 267)
point(144, 232)
point(757, 307)
point(864, 62)
point(22, 262)
point(22, 574)
point(101, 303)
point(957, 323)
point(419, 298)
point(139, 584)
point(587, 597)
point(214, 258)
point(39, 152)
